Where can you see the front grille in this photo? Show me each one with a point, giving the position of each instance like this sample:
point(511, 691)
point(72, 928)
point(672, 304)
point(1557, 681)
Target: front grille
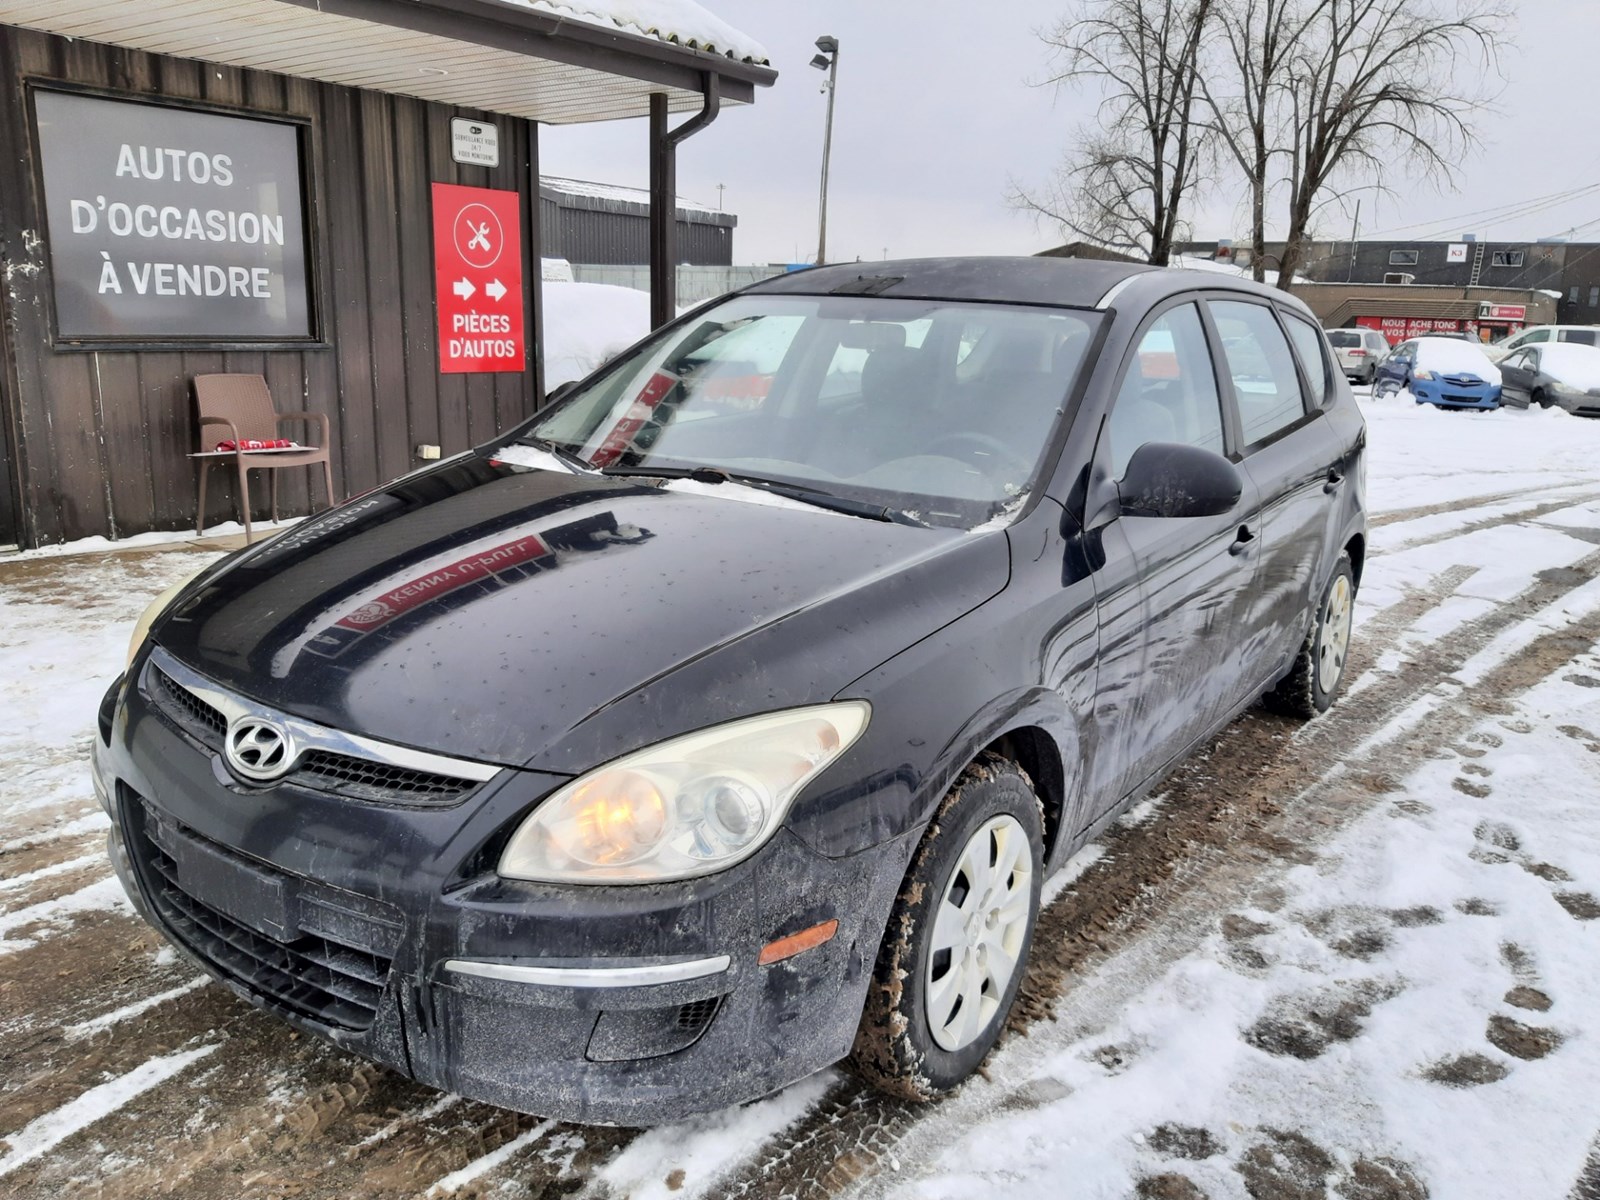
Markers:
point(321, 770)
point(193, 714)
point(1457, 399)
point(368, 780)
point(329, 981)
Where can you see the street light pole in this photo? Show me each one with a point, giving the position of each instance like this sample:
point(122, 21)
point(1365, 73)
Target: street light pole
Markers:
point(827, 61)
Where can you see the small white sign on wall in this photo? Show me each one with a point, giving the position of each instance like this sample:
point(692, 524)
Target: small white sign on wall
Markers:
point(475, 143)
point(1456, 253)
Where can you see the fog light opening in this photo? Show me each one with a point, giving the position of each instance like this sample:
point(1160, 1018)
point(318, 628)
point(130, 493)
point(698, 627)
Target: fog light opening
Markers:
point(797, 943)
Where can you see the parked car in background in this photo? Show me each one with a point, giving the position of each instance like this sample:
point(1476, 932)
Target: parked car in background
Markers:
point(1538, 335)
point(1564, 373)
point(1446, 371)
point(1359, 352)
point(663, 751)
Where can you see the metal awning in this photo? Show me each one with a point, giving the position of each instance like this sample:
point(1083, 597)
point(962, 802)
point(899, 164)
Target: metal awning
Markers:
point(494, 55)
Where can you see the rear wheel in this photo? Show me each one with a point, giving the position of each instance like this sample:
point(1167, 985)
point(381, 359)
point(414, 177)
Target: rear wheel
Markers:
point(1313, 681)
point(958, 937)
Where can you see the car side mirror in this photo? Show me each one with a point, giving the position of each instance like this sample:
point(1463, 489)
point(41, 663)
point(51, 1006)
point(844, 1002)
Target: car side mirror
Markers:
point(1168, 479)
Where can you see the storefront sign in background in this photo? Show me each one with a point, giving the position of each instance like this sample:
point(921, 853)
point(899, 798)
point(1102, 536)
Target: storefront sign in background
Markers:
point(477, 258)
point(1398, 329)
point(169, 223)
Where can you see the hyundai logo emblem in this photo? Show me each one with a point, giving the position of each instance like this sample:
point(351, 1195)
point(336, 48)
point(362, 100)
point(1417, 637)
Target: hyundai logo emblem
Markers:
point(258, 749)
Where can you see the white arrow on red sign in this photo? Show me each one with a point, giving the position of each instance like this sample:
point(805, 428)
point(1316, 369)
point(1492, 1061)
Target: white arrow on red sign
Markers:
point(463, 288)
point(495, 289)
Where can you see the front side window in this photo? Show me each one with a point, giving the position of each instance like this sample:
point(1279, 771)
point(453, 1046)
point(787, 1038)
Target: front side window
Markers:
point(1168, 392)
point(939, 411)
point(1308, 342)
point(1264, 380)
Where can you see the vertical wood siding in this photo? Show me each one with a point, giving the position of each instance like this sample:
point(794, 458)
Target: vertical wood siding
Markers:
point(101, 437)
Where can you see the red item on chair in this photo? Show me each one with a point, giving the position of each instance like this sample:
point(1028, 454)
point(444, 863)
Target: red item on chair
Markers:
point(245, 444)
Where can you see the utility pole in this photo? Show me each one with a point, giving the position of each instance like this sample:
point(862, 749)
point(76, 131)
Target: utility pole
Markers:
point(827, 61)
point(1355, 227)
point(721, 187)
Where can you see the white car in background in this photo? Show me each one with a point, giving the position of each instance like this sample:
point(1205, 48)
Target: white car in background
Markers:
point(1535, 335)
point(1359, 352)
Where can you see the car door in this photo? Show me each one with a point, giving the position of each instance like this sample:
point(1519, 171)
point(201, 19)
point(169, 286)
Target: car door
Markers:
point(1277, 390)
point(1169, 590)
point(1517, 373)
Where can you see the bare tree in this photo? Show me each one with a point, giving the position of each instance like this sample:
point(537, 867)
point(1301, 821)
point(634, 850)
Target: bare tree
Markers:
point(1252, 52)
point(1371, 82)
point(1126, 184)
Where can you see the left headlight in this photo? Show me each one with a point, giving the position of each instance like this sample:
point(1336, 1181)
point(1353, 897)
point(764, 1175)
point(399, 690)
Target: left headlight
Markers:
point(690, 806)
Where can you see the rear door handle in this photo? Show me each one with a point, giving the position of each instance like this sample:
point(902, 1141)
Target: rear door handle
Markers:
point(1335, 478)
point(1243, 541)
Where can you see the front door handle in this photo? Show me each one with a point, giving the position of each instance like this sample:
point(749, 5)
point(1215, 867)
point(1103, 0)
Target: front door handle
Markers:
point(1335, 478)
point(1243, 541)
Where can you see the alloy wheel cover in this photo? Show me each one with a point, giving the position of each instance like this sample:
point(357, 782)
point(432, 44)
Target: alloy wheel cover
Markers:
point(979, 927)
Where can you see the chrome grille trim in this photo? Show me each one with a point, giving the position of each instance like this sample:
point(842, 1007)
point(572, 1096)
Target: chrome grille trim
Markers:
point(309, 736)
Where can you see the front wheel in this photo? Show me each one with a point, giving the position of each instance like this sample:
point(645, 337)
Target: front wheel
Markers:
point(1541, 399)
point(956, 946)
point(1313, 681)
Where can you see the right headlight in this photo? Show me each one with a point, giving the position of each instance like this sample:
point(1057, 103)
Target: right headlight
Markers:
point(141, 627)
point(689, 806)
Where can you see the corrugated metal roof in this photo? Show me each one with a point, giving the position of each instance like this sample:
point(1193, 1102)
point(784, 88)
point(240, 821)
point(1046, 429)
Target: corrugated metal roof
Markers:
point(495, 55)
point(613, 192)
point(681, 22)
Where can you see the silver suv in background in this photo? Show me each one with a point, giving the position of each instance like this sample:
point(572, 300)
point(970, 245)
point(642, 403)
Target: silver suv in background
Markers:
point(1584, 335)
point(1359, 352)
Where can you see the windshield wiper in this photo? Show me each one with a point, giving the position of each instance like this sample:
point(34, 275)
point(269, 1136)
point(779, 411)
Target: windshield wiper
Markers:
point(570, 457)
point(792, 491)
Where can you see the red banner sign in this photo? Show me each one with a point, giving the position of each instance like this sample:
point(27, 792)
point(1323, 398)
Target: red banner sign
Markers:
point(477, 259)
point(1507, 312)
point(1398, 329)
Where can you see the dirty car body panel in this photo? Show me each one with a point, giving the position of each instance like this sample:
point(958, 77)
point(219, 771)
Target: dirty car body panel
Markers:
point(439, 660)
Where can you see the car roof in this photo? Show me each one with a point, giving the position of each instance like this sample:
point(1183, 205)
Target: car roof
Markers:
point(1061, 282)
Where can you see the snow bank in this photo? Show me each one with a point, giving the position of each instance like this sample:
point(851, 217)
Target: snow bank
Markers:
point(587, 323)
point(1452, 356)
point(680, 21)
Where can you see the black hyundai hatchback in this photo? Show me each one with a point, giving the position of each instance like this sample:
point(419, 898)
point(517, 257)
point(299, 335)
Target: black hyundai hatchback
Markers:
point(722, 720)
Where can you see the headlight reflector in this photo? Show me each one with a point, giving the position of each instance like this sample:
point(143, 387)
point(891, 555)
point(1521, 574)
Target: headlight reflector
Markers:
point(687, 807)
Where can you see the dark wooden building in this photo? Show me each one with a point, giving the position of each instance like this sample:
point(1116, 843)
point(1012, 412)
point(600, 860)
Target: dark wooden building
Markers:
point(338, 118)
point(605, 225)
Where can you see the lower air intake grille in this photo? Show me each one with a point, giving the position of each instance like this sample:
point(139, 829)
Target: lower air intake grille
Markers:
point(326, 980)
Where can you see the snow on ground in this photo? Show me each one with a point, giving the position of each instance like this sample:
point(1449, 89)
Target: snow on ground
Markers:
point(587, 323)
point(1381, 1006)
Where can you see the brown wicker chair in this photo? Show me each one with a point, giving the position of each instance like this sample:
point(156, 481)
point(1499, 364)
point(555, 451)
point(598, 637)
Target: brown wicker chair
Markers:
point(236, 407)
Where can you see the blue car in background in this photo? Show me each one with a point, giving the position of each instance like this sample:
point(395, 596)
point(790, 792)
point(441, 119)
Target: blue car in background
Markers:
point(1447, 372)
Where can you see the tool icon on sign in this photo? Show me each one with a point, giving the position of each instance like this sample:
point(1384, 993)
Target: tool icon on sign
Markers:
point(478, 236)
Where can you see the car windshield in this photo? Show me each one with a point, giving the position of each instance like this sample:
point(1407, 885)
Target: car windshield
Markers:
point(1452, 356)
point(939, 412)
point(1573, 364)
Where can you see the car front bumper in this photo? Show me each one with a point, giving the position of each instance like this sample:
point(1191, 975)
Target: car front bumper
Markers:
point(1445, 394)
point(385, 930)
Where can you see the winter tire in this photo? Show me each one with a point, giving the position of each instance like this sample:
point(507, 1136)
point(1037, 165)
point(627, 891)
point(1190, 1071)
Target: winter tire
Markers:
point(1541, 399)
point(956, 946)
point(1313, 681)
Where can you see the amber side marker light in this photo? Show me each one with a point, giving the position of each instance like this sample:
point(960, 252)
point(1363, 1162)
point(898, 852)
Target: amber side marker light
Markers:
point(797, 943)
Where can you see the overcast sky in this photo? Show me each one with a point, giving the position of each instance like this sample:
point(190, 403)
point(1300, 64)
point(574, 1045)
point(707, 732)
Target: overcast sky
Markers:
point(935, 114)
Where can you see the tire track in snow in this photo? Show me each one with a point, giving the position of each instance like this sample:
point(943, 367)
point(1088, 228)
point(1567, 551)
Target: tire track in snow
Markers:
point(1216, 822)
point(1519, 517)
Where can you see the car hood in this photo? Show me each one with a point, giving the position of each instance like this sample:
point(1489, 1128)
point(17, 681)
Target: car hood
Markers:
point(506, 614)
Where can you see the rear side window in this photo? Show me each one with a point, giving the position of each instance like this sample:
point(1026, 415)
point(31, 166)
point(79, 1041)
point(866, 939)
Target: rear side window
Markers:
point(1585, 336)
point(1308, 344)
point(1168, 392)
point(1264, 379)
